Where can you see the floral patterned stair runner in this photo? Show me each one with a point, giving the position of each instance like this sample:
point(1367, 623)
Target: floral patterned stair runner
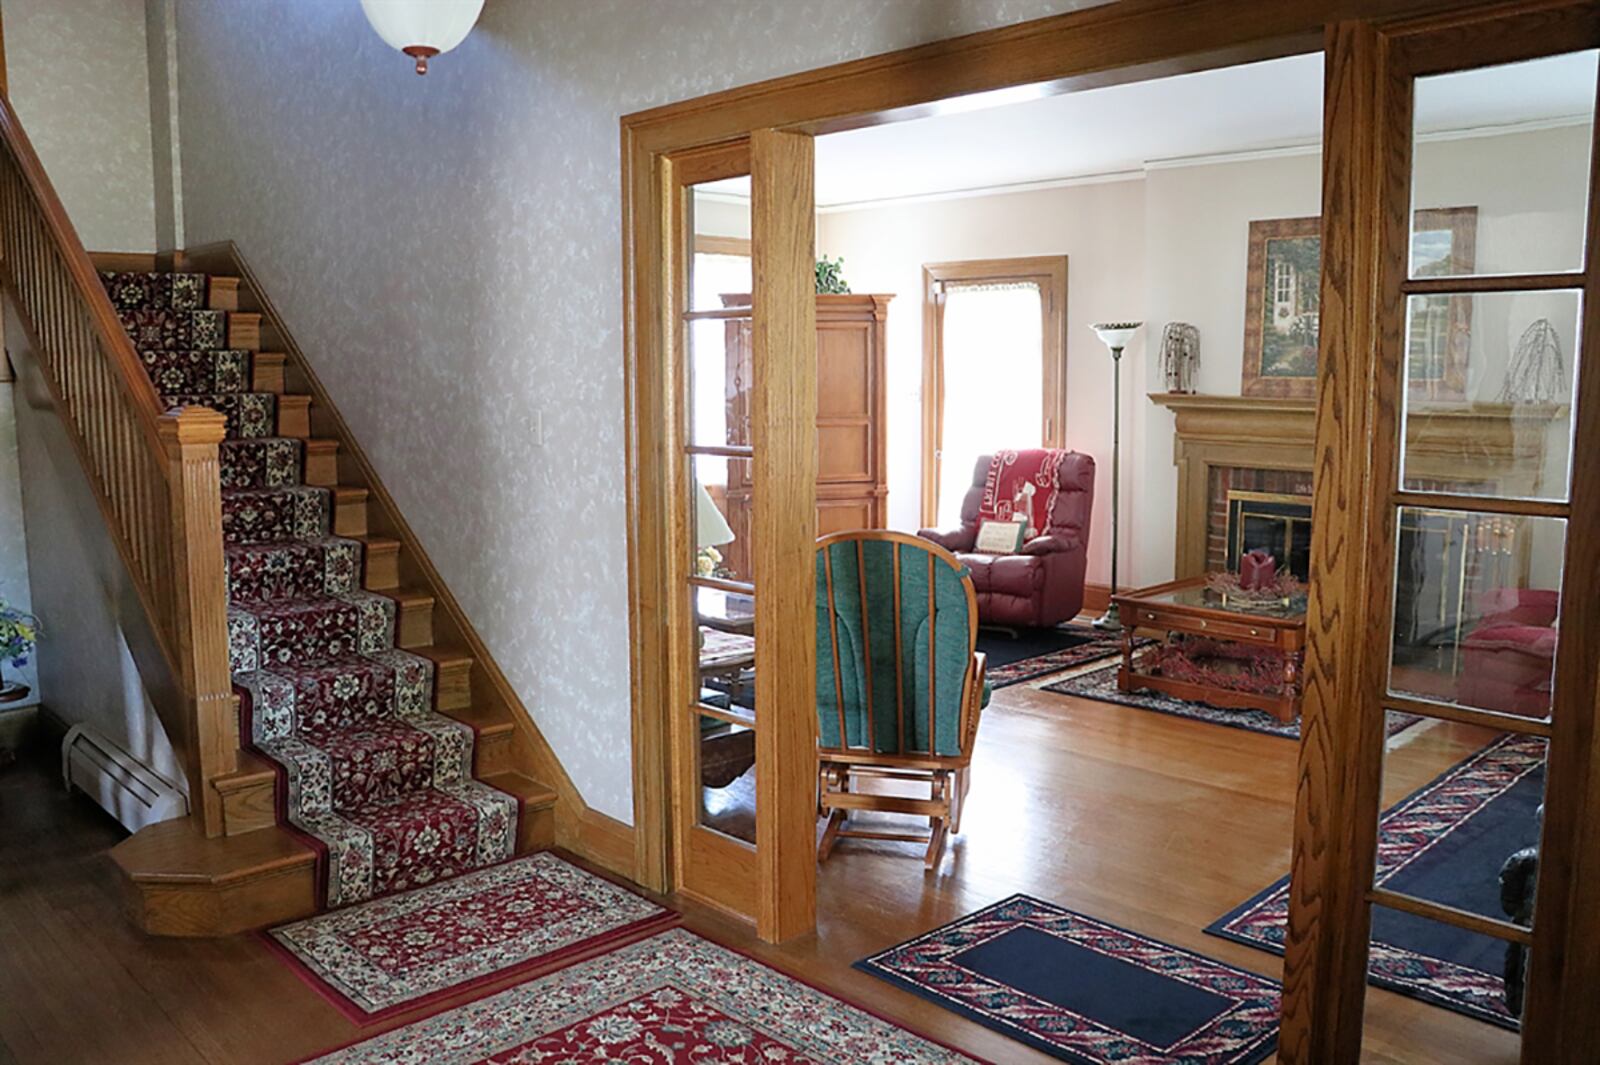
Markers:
point(369, 774)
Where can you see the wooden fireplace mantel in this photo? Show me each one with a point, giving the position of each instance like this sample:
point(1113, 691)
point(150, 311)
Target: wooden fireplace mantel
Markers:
point(1466, 442)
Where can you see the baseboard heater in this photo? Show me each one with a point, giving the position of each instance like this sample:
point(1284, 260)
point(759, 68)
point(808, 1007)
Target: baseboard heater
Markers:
point(124, 787)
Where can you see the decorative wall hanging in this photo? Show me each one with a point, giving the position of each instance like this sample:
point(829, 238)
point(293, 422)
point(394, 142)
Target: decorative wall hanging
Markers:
point(1538, 372)
point(1439, 328)
point(1282, 293)
point(1282, 286)
point(1180, 356)
point(422, 29)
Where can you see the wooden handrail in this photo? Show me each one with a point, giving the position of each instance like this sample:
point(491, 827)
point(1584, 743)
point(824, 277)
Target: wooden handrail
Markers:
point(154, 473)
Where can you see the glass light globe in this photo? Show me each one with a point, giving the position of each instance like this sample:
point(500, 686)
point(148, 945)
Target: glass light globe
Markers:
point(422, 29)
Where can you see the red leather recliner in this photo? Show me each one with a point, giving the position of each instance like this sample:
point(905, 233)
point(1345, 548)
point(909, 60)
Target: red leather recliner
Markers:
point(1508, 657)
point(1043, 584)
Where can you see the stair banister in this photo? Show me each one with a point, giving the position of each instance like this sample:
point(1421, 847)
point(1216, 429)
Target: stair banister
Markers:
point(155, 473)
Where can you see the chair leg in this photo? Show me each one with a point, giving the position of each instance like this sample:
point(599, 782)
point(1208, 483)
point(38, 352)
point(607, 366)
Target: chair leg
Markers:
point(830, 835)
point(959, 802)
point(936, 841)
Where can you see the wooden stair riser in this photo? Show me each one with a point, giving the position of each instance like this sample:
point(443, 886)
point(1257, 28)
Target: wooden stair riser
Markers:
point(267, 372)
point(413, 619)
point(223, 909)
point(249, 802)
point(244, 331)
point(294, 416)
point(452, 682)
point(349, 512)
point(381, 557)
point(222, 294)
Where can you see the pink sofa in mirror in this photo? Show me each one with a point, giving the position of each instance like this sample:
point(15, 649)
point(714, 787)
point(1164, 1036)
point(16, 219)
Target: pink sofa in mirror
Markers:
point(1508, 657)
point(1042, 584)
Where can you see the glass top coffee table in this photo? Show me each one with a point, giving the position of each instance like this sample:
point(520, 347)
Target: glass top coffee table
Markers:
point(1231, 653)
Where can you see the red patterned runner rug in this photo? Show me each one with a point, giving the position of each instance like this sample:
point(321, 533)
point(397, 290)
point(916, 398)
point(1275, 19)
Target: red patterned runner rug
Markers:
point(675, 997)
point(407, 950)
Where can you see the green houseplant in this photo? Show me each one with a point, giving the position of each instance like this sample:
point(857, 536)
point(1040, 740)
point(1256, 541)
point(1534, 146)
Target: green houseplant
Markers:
point(19, 634)
point(830, 281)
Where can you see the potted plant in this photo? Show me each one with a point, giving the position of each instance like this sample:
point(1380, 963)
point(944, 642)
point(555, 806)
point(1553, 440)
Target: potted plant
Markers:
point(19, 634)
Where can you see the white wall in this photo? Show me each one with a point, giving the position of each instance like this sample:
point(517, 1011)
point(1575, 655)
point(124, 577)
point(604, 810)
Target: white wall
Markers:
point(78, 78)
point(1099, 227)
point(447, 250)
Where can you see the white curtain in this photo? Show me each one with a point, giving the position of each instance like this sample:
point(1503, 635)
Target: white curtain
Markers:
point(713, 275)
point(993, 356)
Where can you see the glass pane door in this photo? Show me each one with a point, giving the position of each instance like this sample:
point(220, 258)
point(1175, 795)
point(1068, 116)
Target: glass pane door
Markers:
point(1484, 350)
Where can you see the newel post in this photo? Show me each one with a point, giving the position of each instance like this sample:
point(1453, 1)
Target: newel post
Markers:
point(200, 602)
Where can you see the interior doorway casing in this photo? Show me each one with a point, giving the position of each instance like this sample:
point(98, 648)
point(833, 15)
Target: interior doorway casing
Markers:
point(1111, 44)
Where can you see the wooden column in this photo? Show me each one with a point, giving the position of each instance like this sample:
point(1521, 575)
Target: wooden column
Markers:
point(200, 602)
point(784, 427)
point(1341, 747)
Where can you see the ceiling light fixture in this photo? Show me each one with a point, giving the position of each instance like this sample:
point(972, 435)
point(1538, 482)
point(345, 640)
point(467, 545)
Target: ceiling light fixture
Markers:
point(422, 29)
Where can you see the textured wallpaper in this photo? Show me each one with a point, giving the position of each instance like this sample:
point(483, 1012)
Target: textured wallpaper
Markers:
point(447, 249)
point(79, 81)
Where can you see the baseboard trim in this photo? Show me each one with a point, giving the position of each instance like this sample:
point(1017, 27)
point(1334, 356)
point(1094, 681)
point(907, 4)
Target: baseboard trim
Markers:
point(1096, 597)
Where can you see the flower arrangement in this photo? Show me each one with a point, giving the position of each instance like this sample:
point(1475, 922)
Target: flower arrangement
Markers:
point(19, 634)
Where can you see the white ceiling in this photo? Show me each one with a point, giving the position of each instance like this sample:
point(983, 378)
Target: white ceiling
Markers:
point(1124, 129)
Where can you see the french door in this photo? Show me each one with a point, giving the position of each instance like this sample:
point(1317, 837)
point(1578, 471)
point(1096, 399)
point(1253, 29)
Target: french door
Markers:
point(741, 719)
point(1456, 288)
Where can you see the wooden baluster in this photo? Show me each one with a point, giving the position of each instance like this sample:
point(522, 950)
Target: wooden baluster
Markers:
point(194, 489)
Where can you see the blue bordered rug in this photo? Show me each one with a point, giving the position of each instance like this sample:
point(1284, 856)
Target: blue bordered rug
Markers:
point(1445, 842)
point(1086, 991)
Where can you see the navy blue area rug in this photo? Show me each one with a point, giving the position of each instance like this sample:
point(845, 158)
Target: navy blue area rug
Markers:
point(1085, 991)
point(1445, 843)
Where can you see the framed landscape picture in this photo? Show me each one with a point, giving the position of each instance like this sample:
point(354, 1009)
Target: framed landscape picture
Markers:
point(1283, 279)
point(1283, 275)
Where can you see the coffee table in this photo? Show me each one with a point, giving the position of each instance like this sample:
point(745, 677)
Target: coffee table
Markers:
point(1188, 608)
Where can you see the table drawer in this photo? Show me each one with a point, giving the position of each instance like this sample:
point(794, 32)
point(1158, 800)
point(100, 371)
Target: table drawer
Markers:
point(1222, 630)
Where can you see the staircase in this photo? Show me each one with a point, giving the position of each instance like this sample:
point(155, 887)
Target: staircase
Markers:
point(343, 731)
point(333, 663)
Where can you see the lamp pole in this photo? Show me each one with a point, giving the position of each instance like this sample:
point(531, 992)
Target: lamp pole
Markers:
point(1115, 335)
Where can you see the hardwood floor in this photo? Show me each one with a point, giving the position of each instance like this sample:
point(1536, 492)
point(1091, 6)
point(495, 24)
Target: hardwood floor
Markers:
point(1149, 821)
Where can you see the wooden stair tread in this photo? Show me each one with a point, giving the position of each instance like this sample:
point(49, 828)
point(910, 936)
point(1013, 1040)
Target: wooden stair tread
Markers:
point(253, 771)
point(348, 493)
point(410, 597)
point(531, 793)
point(485, 722)
point(176, 852)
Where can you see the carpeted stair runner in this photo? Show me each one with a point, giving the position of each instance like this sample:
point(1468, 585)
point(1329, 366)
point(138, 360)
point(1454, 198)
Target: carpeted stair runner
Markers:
point(369, 774)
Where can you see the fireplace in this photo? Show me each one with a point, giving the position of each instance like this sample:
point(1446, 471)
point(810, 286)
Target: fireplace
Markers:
point(1278, 523)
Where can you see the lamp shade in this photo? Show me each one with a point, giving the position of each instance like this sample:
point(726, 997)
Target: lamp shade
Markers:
point(422, 29)
point(1116, 334)
point(710, 527)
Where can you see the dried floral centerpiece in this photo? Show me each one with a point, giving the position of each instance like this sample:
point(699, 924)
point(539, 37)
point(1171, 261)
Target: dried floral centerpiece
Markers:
point(1282, 591)
point(19, 634)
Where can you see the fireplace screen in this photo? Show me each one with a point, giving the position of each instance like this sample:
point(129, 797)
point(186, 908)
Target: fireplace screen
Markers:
point(1279, 524)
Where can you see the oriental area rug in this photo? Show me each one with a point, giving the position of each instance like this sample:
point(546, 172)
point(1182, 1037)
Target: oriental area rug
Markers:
point(675, 997)
point(1086, 991)
point(1445, 843)
point(1101, 685)
point(408, 950)
point(1037, 652)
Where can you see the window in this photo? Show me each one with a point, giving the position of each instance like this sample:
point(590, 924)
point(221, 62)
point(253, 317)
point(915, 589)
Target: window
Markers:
point(994, 369)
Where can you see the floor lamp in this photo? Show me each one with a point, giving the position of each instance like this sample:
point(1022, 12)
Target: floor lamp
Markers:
point(1115, 335)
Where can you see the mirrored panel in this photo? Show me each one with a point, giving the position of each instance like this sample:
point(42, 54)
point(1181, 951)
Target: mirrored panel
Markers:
point(719, 382)
point(1476, 603)
point(719, 255)
point(1500, 168)
point(722, 502)
point(1461, 816)
point(1438, 994)
point(1489, 379)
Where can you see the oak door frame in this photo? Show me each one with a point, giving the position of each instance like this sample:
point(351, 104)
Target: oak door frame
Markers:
point(1049, 273)
point(1119, 43)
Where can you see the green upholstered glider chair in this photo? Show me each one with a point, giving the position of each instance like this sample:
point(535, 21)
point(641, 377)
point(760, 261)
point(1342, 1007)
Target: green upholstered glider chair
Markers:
point(900, 684)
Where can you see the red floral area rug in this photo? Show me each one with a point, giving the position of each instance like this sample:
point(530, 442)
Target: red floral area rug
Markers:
point(675, 997)
point(408, 950)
